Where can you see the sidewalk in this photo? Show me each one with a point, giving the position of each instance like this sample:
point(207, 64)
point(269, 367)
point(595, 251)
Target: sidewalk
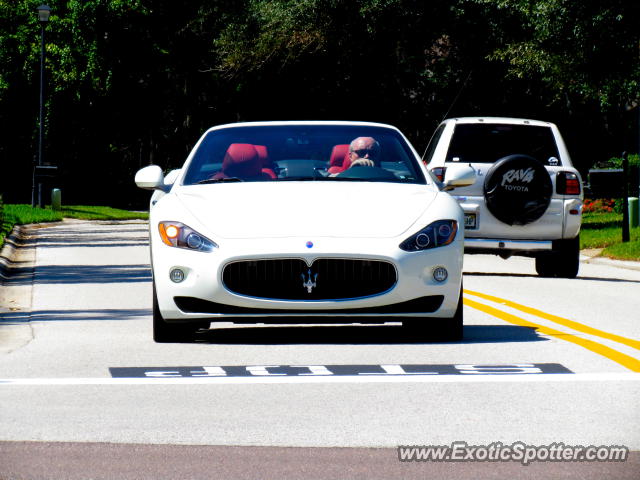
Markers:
point(591, 255)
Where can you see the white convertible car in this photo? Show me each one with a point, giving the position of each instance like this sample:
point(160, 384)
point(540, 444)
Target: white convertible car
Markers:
point(305, 222)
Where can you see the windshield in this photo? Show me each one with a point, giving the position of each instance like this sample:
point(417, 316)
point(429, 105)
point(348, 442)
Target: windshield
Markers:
point(303, 153)
point(487, 143)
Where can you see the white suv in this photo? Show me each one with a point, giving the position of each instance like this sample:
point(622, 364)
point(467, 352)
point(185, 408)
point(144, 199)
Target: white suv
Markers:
point(527, 199)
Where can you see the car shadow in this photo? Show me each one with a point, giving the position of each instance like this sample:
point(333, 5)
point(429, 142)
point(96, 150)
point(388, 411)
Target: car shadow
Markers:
point(386, 334)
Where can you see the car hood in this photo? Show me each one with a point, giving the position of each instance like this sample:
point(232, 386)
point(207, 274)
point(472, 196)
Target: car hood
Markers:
point(286, 209)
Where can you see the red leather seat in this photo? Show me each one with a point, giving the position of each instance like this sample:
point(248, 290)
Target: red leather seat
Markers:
point(267, 164)
point(242, 161)
point(339, 160)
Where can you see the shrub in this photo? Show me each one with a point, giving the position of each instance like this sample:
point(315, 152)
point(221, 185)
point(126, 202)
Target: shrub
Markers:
point(598, 205)
point(634, 170)
point(616, 162)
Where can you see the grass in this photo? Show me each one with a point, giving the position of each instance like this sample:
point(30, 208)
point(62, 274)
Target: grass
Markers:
point(25, 214)
point(604, 230)
point(625, 251)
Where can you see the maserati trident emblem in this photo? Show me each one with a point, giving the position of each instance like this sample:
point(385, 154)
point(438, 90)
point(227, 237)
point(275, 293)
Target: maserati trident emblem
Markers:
point(307, 282)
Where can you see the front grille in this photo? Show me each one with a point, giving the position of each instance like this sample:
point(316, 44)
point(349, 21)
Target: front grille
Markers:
point(293, 279)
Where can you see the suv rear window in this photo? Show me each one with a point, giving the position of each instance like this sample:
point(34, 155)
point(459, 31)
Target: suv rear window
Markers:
point(486, 143)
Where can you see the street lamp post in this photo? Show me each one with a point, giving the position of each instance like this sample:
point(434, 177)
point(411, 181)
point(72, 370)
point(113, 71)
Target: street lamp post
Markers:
point(43, 16)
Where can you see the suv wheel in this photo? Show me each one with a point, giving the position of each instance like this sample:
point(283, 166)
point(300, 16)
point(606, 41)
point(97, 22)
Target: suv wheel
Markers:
point(562, 262)
point(517, 189)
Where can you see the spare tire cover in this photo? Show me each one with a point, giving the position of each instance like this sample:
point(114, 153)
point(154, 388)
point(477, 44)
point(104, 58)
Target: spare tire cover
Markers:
point(517, 189)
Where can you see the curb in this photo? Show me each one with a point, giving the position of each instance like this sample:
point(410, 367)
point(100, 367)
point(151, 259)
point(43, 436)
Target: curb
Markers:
point(15, 300)
point(11, 242)
point(624, 264)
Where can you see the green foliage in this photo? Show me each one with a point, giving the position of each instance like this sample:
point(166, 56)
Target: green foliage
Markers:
point(616, 162)
point(133, 82)
point(586, 49)
point(75, 37)
point(273, 29)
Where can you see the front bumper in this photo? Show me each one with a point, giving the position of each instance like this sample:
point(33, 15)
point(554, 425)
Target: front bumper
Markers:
point(202, 291)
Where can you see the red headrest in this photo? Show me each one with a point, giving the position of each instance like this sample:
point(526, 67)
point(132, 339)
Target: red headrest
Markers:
point(263, 154)
point(338, 154)
point(242, 161)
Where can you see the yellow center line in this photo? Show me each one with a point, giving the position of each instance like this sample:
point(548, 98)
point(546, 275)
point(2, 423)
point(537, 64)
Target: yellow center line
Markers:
point(562, 321)
point(626, 361)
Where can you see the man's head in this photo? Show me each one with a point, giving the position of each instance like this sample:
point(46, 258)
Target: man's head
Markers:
point(364, 148)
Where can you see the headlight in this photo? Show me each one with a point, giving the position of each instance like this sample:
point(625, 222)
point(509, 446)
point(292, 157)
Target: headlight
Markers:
point(176, 234)
point(436, 234)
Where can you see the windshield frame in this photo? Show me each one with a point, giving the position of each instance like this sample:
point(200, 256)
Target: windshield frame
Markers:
point(304, 136)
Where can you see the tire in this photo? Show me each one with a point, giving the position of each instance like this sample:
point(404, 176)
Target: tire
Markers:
point(164, 332)
point(441, 329)
point(562, 262)
point(517, 190)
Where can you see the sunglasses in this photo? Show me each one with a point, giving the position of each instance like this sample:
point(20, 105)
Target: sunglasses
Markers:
point(362, 152)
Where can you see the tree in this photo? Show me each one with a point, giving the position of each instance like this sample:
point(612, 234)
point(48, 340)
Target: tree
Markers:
point(585, 55)
point(131, 82)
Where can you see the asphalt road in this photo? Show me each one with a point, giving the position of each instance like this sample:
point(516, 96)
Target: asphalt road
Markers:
point(85, 393)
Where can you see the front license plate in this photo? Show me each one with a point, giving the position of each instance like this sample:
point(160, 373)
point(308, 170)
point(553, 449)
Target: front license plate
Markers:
point(469, 220)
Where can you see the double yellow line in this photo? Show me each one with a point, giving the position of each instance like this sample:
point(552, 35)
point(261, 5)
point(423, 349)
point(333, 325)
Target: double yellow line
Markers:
point(626, 361)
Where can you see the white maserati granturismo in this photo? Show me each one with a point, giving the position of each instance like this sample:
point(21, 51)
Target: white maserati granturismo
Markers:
point(305, 222)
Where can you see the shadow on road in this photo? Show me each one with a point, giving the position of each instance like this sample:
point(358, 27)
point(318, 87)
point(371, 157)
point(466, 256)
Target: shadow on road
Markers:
point(357, 334)
point(70, 274)
point(13, 317)
point(83, 240)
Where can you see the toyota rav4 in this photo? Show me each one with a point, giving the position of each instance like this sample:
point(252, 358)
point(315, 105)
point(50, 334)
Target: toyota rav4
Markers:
point(528, 197)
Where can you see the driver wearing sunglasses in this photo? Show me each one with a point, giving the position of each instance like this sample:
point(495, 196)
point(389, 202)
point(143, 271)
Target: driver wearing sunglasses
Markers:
point(364, 152)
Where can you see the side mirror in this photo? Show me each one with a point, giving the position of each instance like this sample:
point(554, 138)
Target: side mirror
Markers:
point(459, 176)
point(151, 178)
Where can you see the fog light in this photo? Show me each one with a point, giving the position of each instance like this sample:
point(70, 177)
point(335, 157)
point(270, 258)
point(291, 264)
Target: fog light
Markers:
point(440, 274)
point(176, 275)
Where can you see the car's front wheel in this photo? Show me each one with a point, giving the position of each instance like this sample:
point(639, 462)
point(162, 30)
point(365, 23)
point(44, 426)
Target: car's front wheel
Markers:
point(164, 332)
point(562, 262)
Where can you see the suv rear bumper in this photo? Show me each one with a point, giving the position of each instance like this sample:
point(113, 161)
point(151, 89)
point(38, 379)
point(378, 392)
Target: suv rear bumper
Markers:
point(497, 244)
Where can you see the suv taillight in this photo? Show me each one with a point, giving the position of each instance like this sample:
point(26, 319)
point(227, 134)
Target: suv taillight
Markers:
point(567, 183)
point(439, 172)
